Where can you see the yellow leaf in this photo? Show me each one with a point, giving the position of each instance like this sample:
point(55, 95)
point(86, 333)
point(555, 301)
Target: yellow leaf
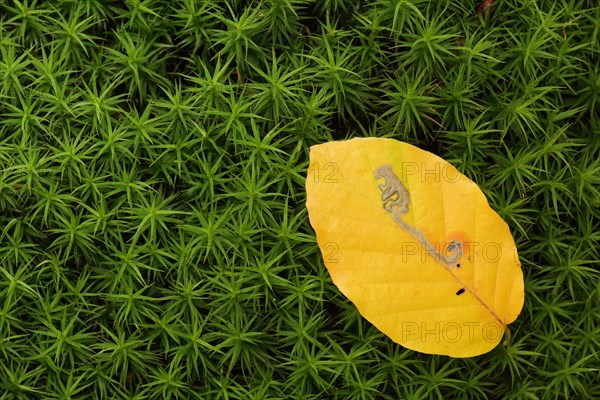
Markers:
point(414, 245)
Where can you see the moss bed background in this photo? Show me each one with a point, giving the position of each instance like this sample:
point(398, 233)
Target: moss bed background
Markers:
point(154, 242)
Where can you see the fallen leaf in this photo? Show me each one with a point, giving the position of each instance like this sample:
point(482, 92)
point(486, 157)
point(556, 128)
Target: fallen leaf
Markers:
point(414, 245)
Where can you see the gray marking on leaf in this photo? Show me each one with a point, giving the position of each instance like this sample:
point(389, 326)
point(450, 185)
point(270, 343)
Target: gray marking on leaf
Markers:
point(395, 199)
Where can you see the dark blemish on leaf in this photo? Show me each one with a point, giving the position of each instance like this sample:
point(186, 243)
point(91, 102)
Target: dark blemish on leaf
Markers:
point(461, 291)
point(458, 265)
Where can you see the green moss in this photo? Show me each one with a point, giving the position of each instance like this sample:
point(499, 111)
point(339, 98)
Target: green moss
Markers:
point(154, 242)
